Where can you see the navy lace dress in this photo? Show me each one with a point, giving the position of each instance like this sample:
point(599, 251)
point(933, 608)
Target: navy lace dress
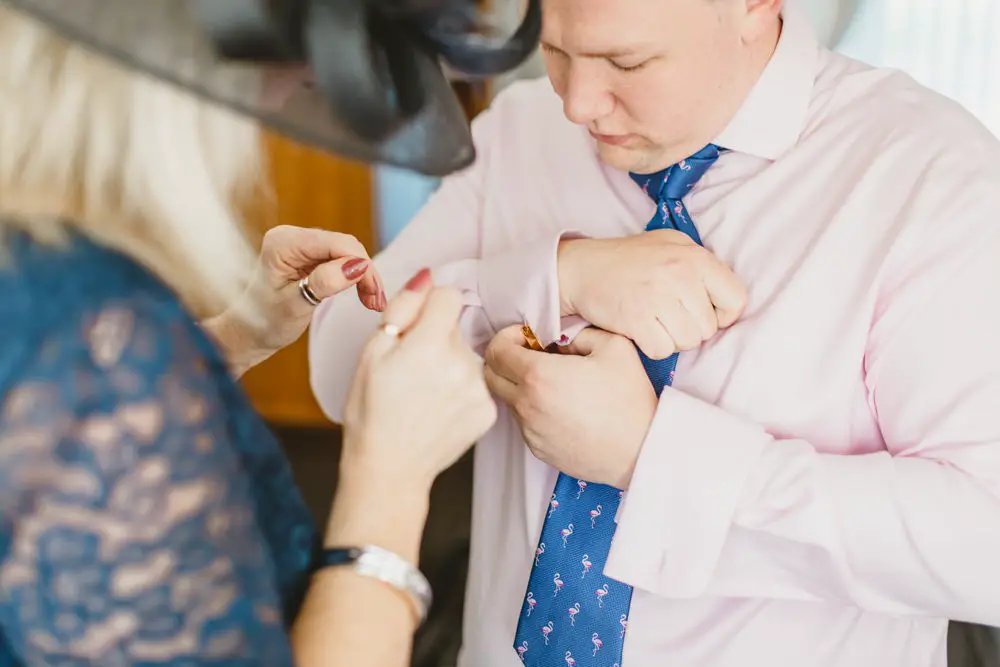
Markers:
point(147, 515)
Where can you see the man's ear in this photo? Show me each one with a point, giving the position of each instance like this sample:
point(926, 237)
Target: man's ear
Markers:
point(760, 18)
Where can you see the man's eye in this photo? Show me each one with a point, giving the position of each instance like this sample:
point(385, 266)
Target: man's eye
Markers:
point(628, 68)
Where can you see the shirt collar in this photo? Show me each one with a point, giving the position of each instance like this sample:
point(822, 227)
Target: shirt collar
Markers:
point(774, 114)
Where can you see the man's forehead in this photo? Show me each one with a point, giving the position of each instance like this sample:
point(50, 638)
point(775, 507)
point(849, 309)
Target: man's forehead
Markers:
point(609, 51)
point(603, 28)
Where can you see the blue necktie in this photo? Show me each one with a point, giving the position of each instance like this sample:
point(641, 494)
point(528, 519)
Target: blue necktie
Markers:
point(572, 613)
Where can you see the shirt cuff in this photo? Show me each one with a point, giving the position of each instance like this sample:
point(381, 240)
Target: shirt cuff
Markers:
point(521, 286)
point(686, 488)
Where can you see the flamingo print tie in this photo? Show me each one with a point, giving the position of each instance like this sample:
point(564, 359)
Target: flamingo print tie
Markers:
point(572, 613)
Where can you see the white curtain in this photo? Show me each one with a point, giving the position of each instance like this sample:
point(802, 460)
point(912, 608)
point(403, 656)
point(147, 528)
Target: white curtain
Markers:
point(948, 45)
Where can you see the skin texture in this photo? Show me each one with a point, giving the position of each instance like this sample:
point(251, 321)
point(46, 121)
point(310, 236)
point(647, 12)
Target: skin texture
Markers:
point(661, 76)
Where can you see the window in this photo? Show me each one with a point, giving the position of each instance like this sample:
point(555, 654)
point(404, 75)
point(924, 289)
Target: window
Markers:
point(948, 45)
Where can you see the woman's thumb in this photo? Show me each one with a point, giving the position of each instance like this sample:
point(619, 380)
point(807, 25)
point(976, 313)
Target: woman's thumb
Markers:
point(337, 275)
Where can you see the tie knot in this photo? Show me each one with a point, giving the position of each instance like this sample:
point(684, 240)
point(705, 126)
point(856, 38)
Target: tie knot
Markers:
point(676, 181)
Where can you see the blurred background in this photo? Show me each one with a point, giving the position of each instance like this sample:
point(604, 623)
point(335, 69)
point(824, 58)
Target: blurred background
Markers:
point(949, 45)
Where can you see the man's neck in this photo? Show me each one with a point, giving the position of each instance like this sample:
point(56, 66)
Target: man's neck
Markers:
point(760, 55)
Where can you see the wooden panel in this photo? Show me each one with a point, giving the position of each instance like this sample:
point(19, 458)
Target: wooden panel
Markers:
point(311, 189)
point(474, 96)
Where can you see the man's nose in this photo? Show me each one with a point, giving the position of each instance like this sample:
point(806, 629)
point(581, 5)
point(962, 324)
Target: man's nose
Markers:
point(585, 97)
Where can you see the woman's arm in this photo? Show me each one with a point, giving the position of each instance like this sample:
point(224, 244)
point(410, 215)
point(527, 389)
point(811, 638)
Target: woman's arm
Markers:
point(132, 533)
point(417, 403)
point(351, 619)
point(240, 350)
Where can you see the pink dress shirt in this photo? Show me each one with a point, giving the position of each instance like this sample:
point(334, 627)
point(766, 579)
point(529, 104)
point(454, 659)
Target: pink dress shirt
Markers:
point(821, 485)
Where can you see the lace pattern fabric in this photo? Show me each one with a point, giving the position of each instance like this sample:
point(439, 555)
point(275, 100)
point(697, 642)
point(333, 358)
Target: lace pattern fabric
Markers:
point(148, 516)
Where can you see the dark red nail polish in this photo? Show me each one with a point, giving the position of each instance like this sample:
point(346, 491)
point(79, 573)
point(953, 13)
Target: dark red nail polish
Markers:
point(355, 268)
point(420, 281)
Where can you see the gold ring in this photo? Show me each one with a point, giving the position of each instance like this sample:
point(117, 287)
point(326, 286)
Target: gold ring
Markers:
point(531, 338)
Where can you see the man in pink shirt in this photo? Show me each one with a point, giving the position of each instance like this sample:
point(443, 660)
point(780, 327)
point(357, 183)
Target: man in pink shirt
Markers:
point(820, 485)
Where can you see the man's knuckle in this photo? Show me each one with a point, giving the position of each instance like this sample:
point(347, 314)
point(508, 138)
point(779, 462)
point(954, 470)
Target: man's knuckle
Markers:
point(620, 344)
point(523, 406)
point(491, 354)
point(685, 344)
point(531, 380)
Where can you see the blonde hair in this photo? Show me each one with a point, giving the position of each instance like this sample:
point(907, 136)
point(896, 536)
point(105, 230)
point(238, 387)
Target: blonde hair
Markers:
point(133, 163)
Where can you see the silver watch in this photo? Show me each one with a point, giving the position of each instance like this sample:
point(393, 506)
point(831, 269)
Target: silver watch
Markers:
point(386, 566)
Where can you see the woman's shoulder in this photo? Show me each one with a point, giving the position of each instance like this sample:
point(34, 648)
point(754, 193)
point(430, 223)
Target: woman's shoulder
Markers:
point(51, 280)
point(81, 294)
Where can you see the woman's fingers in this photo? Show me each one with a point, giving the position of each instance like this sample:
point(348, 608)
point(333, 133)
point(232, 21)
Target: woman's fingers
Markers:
point(334, 277)
point(439, 318)
point(307, 246)
point(333, 261)
point(401, 314)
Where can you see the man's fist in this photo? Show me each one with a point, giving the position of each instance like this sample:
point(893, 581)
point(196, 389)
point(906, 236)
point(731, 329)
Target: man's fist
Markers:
point(658, 288)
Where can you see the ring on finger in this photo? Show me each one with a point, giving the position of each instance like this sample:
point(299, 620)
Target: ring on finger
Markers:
point(307, 292)
point(389, 329)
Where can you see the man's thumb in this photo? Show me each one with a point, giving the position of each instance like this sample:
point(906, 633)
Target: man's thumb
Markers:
point(587, 342)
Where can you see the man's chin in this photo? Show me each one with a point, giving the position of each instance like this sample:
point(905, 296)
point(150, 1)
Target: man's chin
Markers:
point(622, 158)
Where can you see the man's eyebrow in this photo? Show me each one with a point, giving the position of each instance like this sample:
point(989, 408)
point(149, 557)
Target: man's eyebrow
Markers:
point(609, 54)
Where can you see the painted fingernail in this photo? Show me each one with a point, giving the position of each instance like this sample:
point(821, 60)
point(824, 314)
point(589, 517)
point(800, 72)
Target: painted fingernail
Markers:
point(355, 268)
point(420, 281)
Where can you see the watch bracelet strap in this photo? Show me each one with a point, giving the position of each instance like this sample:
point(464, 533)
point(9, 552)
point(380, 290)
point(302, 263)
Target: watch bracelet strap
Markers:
point(386, 566)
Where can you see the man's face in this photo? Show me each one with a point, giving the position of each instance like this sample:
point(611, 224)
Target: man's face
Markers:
point(652, 80)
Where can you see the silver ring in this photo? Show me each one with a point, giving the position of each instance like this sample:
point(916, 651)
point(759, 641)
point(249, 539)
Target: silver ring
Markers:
point(391, 330)
point(307, 293)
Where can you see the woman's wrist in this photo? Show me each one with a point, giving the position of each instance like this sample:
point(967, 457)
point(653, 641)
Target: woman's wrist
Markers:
point(233, 338)
point(372, 506)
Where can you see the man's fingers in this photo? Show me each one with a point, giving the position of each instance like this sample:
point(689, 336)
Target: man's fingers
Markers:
point(727, 292)
point(683, 329)
point(702, 313)
point(588, 341)
point(500, 386)
point(508, 355)
point(654, 339)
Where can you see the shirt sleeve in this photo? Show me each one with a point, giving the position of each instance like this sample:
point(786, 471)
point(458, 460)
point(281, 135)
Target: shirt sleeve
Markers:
point(129, 535)
point(720, 507)
point(517, 286)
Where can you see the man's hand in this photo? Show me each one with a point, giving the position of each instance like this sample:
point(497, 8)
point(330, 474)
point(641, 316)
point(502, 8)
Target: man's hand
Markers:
point(658, 288)
point(584, 412)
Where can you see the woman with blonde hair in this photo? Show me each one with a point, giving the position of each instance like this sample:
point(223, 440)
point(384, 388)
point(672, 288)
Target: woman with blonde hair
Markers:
point(147, 515)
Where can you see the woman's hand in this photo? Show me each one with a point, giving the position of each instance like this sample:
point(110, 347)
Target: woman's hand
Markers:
point(332, 262)
point(419, 399)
